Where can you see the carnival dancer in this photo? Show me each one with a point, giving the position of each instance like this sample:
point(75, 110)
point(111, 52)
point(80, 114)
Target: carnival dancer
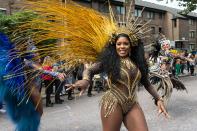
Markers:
point(21, 98)
point(48, 80)
point(19, 86)
point(119, 104)
point(114, 46)
point(163, 77)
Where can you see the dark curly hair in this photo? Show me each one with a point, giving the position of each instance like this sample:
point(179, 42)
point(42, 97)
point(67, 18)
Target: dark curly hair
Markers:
point(111, 60)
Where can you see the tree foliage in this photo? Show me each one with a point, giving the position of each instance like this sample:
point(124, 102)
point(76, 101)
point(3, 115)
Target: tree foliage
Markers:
point(190, 5)
point(8, 23)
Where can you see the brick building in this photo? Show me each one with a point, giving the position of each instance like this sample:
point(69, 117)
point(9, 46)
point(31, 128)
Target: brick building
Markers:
point(8, 6)
point(181, 30)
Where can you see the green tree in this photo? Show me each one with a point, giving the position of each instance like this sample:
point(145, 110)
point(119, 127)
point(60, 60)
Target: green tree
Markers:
point(8, 23)
point(190, 5)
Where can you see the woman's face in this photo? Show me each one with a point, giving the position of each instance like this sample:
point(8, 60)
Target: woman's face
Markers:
point(166, 46)
point(123, 47)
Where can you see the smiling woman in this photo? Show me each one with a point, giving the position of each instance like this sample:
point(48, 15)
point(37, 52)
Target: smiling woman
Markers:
point(125, 66)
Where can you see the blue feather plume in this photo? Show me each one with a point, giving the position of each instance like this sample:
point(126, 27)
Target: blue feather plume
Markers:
point(12, 88)
point(11, 65)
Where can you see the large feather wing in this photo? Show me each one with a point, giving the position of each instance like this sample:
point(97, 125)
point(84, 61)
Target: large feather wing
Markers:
point(11, 72)
point(178, 84)
point(81, 32)
point(12, 88)
point(155, 78)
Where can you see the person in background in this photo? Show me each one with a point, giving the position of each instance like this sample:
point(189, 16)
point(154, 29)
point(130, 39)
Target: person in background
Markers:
point(79, 72)
point(70, 79)
point(183, 63)
point(185, 54)
point(86, 66)
point(58, 83)
point(192, 64)
point(188, 63)
point(178, 67)
point(48, 80)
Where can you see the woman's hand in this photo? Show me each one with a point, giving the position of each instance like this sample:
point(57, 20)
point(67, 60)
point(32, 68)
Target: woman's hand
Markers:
point(161, 108)
point(82, 84)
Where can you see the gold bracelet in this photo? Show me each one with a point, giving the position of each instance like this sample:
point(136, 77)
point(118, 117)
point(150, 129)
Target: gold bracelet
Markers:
point(160, 99)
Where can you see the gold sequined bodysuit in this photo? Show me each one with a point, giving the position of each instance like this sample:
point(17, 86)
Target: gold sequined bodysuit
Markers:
point(123, 92)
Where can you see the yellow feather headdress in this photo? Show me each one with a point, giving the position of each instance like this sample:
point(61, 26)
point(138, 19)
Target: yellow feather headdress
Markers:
point(81, 32)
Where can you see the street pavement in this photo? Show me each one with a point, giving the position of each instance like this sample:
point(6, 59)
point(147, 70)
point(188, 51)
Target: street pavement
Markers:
point(82, 114)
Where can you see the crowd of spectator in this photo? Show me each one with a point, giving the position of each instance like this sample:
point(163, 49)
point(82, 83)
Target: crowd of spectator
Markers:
point(184, 63)
point(55, 86)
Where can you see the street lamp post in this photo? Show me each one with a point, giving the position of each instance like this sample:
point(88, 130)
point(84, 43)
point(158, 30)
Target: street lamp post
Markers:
point(10, 3)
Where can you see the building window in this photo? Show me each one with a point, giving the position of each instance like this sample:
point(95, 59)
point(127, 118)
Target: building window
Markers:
point(120, 10)
point(192, 34)
point(153, 30)
point(104, 8)
point(175, 22)
point(160, 15)
point(160, 30)
point(138, 13)
point(191, 46)
point(191, 22)
point(178, 45)
point(150, 15)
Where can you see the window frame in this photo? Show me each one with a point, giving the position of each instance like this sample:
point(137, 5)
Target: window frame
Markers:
point(121, 10)
point(192, 34)
point(138, 13)
point(150, 15)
